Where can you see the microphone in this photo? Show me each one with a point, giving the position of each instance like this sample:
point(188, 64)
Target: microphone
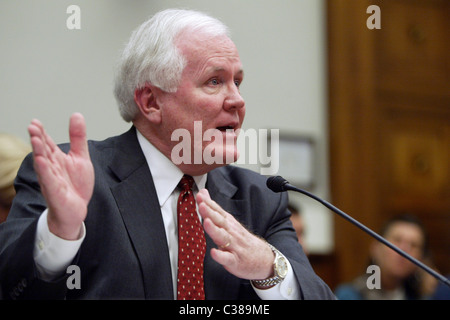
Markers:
point(279, 184)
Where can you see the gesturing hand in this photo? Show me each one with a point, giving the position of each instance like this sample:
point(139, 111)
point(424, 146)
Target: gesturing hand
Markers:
point(240, 252)
point(66, 180)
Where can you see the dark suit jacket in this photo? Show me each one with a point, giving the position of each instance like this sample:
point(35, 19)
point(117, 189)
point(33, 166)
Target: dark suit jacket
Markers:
point(125, 253)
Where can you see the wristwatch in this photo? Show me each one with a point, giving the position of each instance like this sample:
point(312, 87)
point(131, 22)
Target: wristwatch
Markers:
point(280, 269)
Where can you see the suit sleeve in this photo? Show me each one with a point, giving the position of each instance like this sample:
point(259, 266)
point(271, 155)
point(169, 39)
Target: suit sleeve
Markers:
point(18, 274)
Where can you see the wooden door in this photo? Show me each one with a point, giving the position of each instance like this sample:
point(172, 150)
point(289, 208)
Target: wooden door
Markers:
point(389, 122)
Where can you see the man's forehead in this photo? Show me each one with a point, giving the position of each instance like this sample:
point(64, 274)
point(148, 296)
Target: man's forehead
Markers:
point(213, 54)
point(198, 43)
point(218, 69)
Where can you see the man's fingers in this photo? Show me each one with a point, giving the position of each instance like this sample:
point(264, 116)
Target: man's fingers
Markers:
point(238, 251)
point(77, 134)
point(204, 194)
point(220, 236)
point(207, 212)
point(225, 258)
point(41, 142)
point(219, 213)
point(37, 139)
point(42, 147)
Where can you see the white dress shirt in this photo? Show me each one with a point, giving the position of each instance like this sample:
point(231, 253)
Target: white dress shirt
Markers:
point(53, 255)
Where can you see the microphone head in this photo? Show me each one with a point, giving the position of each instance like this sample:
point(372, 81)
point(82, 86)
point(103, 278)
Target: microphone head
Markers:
point(277, 184)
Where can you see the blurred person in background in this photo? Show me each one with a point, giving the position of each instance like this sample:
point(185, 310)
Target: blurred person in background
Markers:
point(299, 225)
point(12, 152)
point(442, 291)
point(400, 279)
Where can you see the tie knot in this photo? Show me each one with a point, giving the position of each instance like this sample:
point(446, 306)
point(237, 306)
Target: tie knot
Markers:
point(186, 183)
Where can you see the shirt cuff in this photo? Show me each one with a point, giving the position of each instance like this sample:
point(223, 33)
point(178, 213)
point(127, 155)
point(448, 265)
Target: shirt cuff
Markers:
point(52, 254)
point(288, 289)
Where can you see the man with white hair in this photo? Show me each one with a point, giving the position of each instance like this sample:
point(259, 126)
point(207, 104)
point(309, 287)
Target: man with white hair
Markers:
point(116, 209)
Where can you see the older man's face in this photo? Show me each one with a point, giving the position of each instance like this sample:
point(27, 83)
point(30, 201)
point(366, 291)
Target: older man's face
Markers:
point(208, 92)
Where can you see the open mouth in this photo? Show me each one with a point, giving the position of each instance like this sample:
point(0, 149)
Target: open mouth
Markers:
point(225, 128)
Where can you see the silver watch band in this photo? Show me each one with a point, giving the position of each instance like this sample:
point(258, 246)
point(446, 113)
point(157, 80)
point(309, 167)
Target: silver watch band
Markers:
point(272, 281)
point(267, 283)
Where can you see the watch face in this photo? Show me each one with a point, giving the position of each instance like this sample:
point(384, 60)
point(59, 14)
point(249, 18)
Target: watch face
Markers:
point(281, 267)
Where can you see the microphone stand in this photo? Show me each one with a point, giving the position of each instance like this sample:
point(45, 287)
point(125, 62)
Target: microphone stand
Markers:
point(286, 186)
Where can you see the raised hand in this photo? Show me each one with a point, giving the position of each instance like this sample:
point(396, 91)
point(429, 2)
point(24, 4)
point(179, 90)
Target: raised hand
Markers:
point(66, 180)
point(240, 252)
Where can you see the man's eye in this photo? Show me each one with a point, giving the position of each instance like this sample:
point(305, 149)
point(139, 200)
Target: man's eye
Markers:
point(237, 83)
point(214, 82)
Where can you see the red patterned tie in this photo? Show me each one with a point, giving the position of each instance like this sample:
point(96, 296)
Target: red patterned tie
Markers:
point(191, 245)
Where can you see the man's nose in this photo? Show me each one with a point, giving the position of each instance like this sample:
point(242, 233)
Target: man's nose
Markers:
point(234, 99)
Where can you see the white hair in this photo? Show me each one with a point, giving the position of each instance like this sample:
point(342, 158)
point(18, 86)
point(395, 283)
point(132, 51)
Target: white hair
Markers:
point(151, 55)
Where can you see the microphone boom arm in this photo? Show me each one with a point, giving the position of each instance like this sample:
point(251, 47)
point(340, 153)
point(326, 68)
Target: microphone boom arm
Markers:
point(286, 186)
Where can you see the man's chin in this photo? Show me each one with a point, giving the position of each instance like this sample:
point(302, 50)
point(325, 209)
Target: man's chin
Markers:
point(198, 169)
point(211, 159)
point(219, 153)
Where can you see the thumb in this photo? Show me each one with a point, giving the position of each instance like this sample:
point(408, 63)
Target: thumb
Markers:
point(77, 135)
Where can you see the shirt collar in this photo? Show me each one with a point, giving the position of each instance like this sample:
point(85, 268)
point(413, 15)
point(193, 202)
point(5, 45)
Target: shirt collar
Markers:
point(165, 174)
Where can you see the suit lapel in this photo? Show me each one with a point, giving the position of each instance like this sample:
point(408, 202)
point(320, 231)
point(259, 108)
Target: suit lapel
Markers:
point(138, 204)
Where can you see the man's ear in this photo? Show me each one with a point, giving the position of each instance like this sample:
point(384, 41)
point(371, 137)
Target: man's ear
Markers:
point(147, 102)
